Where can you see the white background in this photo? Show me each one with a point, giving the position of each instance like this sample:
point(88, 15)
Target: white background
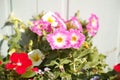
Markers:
point(107, 39)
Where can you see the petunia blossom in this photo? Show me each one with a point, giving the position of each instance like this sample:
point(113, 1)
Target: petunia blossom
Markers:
point(58, 39)
point(56, 13)
point(39, 26)
point(76, 38)
point(54, 20)
point(93, 25)
point(75, 23)
point(36, 57)
point(19, 62)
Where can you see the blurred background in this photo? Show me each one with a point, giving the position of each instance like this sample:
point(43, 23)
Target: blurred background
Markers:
point(107, 39)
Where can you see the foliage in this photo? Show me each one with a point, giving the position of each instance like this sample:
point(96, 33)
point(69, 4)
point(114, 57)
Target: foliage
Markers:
point(67, 60)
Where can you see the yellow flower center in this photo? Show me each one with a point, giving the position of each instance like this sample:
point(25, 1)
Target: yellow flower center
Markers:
point(59, 39)
point(36, 57)
point(74, 38)
point(50, 19)
point(93, 22)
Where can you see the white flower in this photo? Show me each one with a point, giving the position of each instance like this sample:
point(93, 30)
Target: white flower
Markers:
point(46, 69)
point(50, 17)
point(40, 72)
point(36, 57)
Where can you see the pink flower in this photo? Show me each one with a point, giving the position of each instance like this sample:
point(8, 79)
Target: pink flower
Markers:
point(56, 13)
point(39, 26)
point(55, 20)
point(58, 39)
point(93, 25)
point(75, 22)
point(76, 38)
point(19, 62)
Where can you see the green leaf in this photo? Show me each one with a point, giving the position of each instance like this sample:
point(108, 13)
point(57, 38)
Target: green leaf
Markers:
point(56, 73)
point(52, 63)
point(28, 74)
point(65, 76)
point(64, 61)
point(84, 53)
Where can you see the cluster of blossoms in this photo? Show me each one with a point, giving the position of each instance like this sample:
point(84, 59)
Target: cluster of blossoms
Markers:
point(39, 71)
point(21, 62)
point(58, 32)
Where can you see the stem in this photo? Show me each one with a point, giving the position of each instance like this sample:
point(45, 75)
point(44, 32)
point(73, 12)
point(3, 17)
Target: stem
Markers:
point(58, 52)
point(74, 67)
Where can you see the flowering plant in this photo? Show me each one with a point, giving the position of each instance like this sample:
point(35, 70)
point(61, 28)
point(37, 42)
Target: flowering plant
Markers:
point(52, 48)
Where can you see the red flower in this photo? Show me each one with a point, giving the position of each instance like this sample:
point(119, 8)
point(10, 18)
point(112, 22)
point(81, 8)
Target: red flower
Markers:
point(0, 62)
point(35, 69)
point(117, 68)
point(19, 62)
